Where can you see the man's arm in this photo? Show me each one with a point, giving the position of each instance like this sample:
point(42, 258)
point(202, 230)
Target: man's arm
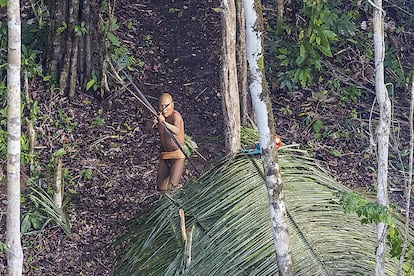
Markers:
point(175, 125)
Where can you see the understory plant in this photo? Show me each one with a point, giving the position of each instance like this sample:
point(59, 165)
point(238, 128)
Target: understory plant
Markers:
point(301, 43)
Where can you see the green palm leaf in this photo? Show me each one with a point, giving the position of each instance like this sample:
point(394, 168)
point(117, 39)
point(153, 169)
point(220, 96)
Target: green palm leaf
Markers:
point(229, 209)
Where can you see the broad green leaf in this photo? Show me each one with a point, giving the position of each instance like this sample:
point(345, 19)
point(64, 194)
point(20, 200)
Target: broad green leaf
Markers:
point(324, 50)
point(283, 51)
point(90, 84)
point(299, 60)
point(25, 224)
point(302, 51)
point(114, 40)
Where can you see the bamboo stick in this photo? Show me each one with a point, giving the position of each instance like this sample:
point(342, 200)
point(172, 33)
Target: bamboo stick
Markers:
point(182, 223)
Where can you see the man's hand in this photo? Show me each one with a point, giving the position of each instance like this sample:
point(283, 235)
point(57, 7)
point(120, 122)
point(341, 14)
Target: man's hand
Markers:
point(151, 124)
point(161, 118)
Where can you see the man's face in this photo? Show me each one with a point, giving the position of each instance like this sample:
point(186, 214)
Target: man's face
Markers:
point(166, 107)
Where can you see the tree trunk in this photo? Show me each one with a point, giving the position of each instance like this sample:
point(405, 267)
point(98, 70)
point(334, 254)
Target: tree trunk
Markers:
point(280, 12)
point(72, 60)
point(408, 186)
point(383, 132)
point(230, 102)
point(266, 126)
point(242, 63)
point(13, 242)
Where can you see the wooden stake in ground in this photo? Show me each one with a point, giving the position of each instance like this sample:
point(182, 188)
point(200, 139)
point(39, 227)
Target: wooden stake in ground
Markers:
point(188, 247)
point(58, 184)
point(182, 224)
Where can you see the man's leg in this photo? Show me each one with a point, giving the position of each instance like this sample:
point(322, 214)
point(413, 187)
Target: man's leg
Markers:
point(163, 176)
point(176, 171)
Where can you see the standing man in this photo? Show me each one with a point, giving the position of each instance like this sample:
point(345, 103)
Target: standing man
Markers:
point(172, 159)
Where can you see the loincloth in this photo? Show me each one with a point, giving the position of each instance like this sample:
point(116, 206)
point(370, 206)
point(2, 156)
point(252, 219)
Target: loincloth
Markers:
point(177, 154)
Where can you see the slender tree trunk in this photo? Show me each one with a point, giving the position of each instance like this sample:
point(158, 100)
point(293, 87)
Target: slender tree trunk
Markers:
point(13, 242)
point(266, 126)
point(230, 102)
point(408, 183)
point(72, 60)
point(280, 12)
point(242, 63)
point(383, 132)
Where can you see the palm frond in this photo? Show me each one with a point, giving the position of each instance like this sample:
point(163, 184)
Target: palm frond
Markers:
point(45, 202)
point(229, 209)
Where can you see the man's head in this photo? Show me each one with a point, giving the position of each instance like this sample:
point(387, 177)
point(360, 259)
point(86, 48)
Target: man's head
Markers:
point(166, 104)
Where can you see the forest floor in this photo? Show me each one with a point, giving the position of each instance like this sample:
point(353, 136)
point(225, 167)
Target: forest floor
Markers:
point(111, 160)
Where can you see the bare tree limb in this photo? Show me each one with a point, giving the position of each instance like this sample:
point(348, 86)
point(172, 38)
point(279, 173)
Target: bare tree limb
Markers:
point(408, 183)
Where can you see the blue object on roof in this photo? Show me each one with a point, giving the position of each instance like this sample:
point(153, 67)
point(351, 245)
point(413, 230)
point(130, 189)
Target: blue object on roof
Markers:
point(256, 150)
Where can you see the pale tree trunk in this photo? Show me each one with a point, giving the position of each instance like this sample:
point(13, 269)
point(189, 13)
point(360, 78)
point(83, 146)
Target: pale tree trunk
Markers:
point(408, 185)
point(383, 132)
point(13, 242)
point(242, 63)
point(266, 126)
point(230, 100)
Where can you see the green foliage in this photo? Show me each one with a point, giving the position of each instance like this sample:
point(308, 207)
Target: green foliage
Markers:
point(319, 129)
point(109, 28)
point(353, 114)
point(98, 121)
point(86, 174)
point(148, 40)
point(118, 53)
point(129, 25)
point(62, 28)
point(336, 153)
point(81, 29)
point(374, 213)
point(286, 110)
point(32, 220)
point(300, 44)
point(189, 145)
point(41, 11)
point(179, 12)
point(64, 121)
point(31, 62)
point(43, 211)
point(122, 56)
point(369, 212)
point(347, 94)
point(93, 83)
point(3, 3)
point(310, 41)
point(400, 76)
